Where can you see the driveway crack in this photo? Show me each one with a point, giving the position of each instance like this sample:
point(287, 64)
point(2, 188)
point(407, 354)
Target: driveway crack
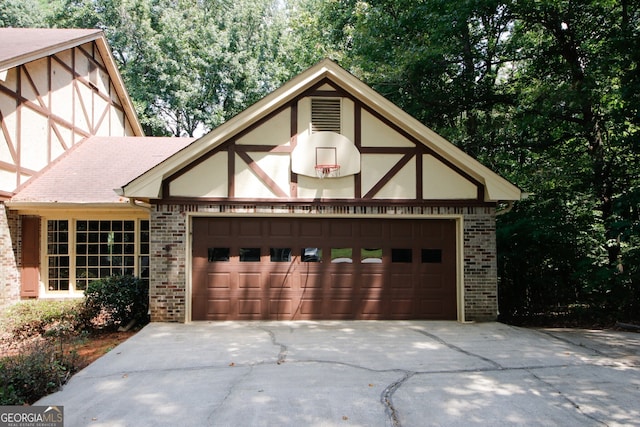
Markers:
point(566, 398)
point(232, 387)
point(386, 398)
point(495, 364)
point(282, 354)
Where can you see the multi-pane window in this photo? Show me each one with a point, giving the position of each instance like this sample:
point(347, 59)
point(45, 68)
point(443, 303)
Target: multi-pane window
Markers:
point(98, 249)
point(104, 248)
point(58, 255)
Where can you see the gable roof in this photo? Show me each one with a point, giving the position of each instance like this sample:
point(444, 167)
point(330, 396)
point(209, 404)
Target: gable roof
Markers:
point(22, 45)
point(91, 171)
point(148, 185)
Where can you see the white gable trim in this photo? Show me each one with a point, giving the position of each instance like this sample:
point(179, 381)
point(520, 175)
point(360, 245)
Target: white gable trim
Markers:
point(149, 184)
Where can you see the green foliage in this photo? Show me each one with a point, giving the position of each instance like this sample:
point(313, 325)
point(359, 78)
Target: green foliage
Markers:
point(117, 300)
point(44, 317)
point(21, 14)
point(36, 372)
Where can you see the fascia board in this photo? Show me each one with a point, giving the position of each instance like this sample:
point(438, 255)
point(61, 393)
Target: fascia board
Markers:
point(15, 61)
point(118, 84)
point(43, 208)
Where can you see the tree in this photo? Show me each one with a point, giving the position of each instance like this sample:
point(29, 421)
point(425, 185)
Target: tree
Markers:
point(21, 13)
point(189, 65)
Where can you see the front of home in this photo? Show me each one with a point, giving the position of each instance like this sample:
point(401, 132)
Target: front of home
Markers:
point(321, 201)
point(244, 227)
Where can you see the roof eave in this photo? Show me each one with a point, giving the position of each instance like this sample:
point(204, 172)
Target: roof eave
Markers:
point(118, 84)
point(49, 50)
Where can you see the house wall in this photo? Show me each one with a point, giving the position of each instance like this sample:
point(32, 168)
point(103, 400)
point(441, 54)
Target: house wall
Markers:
point(169, 265)
point(49, 105)
point(268, 147)
point(9, 257)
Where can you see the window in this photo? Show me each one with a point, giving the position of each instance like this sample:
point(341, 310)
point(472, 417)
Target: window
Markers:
point(341, 255)
point(80, 251)
point(401, 255)
point(431, 256)
point(219, 254)
point(249, 254)
point(326, 115)
point(311, 255)
point(280, 254)
point(104, 248)
point(58, 255)
point(371, 256)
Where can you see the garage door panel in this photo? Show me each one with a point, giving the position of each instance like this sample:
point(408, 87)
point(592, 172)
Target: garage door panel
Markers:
point(401, 281)
point(311, 307)
point(401, 229)
point(401, 307)
point(217, 309)
point(220, 228)
point(341, 307)
point(432, 282)
point(280, 228)
point(249, 280)
point(395, 280)
point(372, 308)
point(372, 280)
point(251, 229)
point(341, 281)
point(341, 229)
point(281, 308)
point(433, 307)
point(280, 280)
point(219, 280)
point(250, 308)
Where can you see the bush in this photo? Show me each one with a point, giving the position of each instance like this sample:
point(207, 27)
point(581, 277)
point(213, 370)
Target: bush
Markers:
point(117, 300)
point(38, 371)
point(33, 318)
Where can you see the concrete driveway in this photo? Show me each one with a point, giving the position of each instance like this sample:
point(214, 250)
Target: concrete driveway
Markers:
point(405, 373)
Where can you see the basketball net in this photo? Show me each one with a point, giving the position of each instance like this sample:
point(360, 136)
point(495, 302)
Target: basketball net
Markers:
point(323, 171)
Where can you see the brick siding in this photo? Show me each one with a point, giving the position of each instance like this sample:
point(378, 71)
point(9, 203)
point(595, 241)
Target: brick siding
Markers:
point(168, 252)
point(9, 257)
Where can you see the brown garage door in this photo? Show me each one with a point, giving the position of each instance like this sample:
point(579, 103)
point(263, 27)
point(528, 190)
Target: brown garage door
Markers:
point(294, 268)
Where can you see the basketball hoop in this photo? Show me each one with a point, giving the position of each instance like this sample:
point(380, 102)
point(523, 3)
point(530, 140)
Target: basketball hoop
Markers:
point(323, 171)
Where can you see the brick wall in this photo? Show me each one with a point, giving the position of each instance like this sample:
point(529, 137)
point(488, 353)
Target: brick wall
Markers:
point(9, 256)
point(168, 252)
point(167, 264)
point(480, 265)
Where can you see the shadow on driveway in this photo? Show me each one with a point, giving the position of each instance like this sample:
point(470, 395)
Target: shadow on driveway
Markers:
point(356, 373)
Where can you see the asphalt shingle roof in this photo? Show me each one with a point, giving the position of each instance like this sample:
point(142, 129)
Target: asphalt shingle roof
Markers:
point(20, 45)
point(91, 171)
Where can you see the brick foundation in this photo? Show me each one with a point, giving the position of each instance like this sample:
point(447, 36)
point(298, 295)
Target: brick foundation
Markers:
point(168, 252)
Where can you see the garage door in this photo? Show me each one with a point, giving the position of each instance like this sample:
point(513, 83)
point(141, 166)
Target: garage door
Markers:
point(294, 268)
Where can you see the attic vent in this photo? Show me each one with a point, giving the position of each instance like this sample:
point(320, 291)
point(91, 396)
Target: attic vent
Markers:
point(325, 115)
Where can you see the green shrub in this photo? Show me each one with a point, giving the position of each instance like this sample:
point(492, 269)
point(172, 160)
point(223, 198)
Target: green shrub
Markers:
point(118, 300)
point(44, 318)
point(38, 371)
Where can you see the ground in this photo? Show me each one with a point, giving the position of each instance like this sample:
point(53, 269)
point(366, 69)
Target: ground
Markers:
point(89, 347)
point(97, 345)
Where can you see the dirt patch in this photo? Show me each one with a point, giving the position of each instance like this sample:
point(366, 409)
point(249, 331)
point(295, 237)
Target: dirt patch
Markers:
point(88, 347)
point(97, 345)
